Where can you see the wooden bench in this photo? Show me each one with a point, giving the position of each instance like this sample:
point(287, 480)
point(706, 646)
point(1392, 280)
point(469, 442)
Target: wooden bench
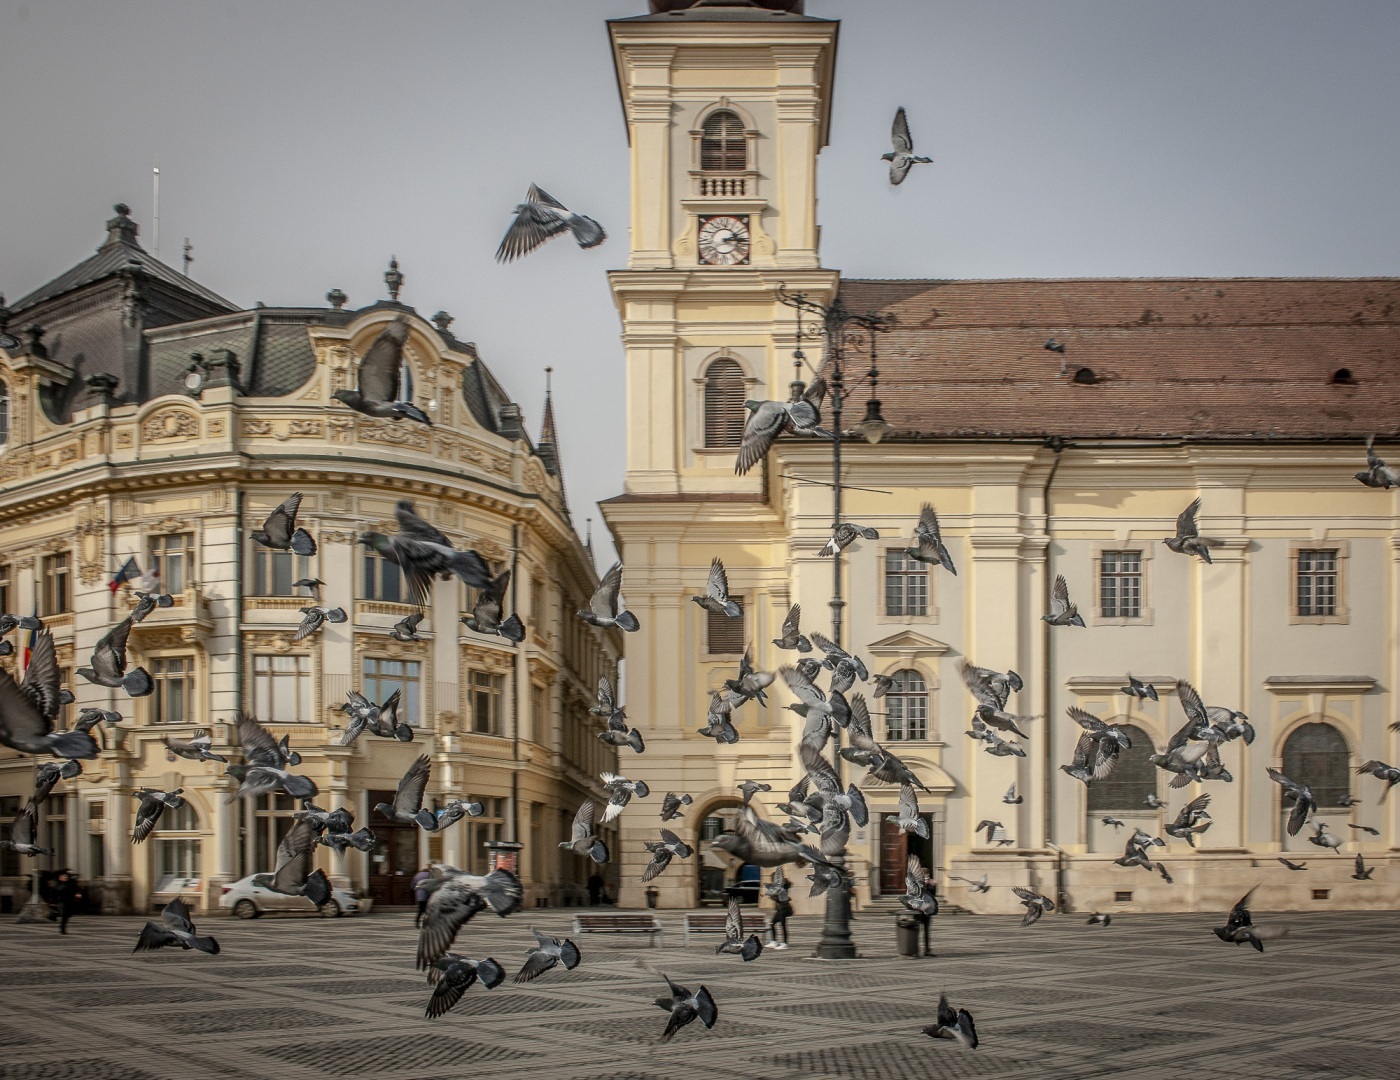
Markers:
point(707, 922)
point(619, 924)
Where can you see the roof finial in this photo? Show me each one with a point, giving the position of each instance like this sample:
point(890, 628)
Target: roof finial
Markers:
point(336, 298)
point(121, 229)
point(548, 382)
point(442, 320)
point(393, 278)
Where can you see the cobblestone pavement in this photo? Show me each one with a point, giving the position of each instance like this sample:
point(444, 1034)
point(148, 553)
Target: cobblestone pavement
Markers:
point(1148, 997)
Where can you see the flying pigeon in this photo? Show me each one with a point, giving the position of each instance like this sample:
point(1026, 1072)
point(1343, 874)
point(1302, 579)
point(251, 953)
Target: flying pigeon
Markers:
point(408, 796)
point(1115, 822)
point(174, 928)
point(1362, 873)
point(551, 952)
point(769, 419)
point(24, 622)
point(835, 655)
point(617, 733)
point(750, 788)
point(1187, 540)
point(1292, 865)
point(1364, 828)
point(29, 708)
point(1035, 904)
point(147, 602)
point(451, 812)
point(1324, 839)
point(1098, 920)
point(1054, 346)
point(1239, 927)
point(751, 684)
point(622, 791)
point(671, 805)
point(541, 217)
point(792, 638)
point(1302, 796)
point(1011, 797)
point(978, 886)
point(1192, 820)
point(607, 707)
point(1377, 473)
point(990, 688)
point(454, 974)
point(194, 749)
point(294, 875)
point(716, 598)
point(718, 726)
point(928, 541)
point(313, 618)
point(266, 760)
point(919, 896)
point(1062, 612)
point(280, 531)
point(663, 851)
point(883, 685)
point(845, 535)
point(485, 617)
point(24, 831)
point(902, 157)
point(685, 1007)
point(377, 389)
point(109, 665)
point(50, 773)
point(422, 552)
point(763, 843)
point(1098, 749)
point(777, 889)
point(1381, 771)
point(454, 897)
point(952, 1025)
point(311, 585)
point(153, 804)
point(584, 841)
point(1138, 689)
point(909, 819)
point(734, 941)
point(406, 629)
point(602, 608)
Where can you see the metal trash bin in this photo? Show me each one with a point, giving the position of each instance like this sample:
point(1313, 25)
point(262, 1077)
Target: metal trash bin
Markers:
point(907, 935)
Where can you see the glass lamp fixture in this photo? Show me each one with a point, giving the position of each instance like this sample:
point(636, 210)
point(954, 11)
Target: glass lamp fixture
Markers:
point(874, 427)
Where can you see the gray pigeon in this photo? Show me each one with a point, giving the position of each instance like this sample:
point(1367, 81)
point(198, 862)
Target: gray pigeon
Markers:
point(1239, 927)
point(835, 656)
point(152, 805)
point(1062, 612)
point(751, 684)
point(919, 896)
point(602, 607)
point(685, 1007)
point(51, 772)
point(1098, 749)
point(1192, 820)
point(902, 158)
point(293, 875)
point(1138, 689)
point(550, 953)
point(761, 842)
point(1035, 904)
point(406, 629)
point(671, 805)
point(485, 616)
point(1292, 865)
point(147, 602)
point(1187, 540)
point(377, 388)
point(451, 812)
point(883, 685)
point(734, 941)
point(422, 552)
point(28, 709)
point(453, 974)
point(109, 665)
point(670, 846)
point(1324, 839)
point(24, 622)
point(750, 788)
point(196, 748)
point(1377, 473)
point(541, 217)
point(1381, 771)
point(313, 618)
point(24, 832)
point(408, 796)
point(792, 637)
point(583, 840)
point(1098, 920)
point(1362, 873)
point(266, 760)
point(990, 688)
point(928, 541)
point(280, 531)
point(454, 897)
point(846, 534)
point(953, 1025)
point(622, 790)
point(769, 419)
point(174, 929)
point(1011, 798)
point(607, 707)
point(1302, 796)
point(716, 598)
point(978, 886)
point(311, 585)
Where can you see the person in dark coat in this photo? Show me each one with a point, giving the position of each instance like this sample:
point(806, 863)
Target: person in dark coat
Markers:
point(66, 897)
point(420, 894)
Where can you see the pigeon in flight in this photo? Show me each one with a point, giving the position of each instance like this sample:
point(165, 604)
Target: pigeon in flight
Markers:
point(584, 840)
point(1239, 926)
point(909, 819)
point(846, 534)
point(422, 552)
point(928, 541)
point(670, 846)
point(1362, 873)
point(671, 805)
point(864, 750)
point(1098, 749)
point(718, 726)
point(1377, 473)
point(716, 598)
point(902, 158)
point(607, 707)
point(1011, 797)
point(1062, 612)
point(147, 602)
point(777, 889)
point(266, 760)
point(311, 585)
point(792, 637)
point(991, 826)
point(408, 796)
point(1035, 904)
point(313, 618)
point(550, 953)
point(406, 629)
point(1113, 821)
point(1154, 801)
point(1324, 839)
point(1192, 820)
point(1098, 920)
point(883, 685)
point(109, 665)
point(335, 828)
point(919, 896)
point(769, 419)
point(1188, 540)
point(29, 708)
point(1364, 828)
point(734, 941)
point(174, 928)
point(1381, 771)
point(453, 974)
point(280, 531)
point(750, 788)
point(990, 688)
point(451, 812)
point(622, 791)
point(50, 773)
point(685, 1007)
point(24, 832)
point(454, 896)
point(616, 733)
point(1138, 689)
point(835, 656)
point(763, 843)
point(1302, 796)
point(602, 608)
point(196, 748)
point(24, 622)
point(541, 217)
point(952, 1025)
point(485, 617)
point(377, 389)
point(152, 805)
point(751, 684)
point(294, 875)
point(978, 886)
point(1292, 865)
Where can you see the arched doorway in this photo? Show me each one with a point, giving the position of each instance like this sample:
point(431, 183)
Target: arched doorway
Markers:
point(715, 870)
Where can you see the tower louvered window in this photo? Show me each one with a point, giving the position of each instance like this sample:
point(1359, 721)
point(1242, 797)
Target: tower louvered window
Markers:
point(724, 404)
point(723, 147)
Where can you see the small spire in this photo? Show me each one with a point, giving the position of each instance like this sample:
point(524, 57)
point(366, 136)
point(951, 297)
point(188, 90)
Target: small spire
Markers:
point(121, 229)
point(393, 278)
point(336, 298)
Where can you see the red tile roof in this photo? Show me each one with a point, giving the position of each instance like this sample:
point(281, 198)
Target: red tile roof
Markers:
point(1193, 358)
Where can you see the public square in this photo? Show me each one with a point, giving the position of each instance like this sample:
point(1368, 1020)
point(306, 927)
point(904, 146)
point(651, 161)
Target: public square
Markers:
point(1149, 997)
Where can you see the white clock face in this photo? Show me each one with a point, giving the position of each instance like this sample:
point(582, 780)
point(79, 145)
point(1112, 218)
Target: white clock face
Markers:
point(724, 240)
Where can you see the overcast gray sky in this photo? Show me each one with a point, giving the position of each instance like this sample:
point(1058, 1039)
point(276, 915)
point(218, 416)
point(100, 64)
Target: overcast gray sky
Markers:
point(302, 142)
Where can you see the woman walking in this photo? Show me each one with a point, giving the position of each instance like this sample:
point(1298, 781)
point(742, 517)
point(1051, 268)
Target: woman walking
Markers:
point(782, 911)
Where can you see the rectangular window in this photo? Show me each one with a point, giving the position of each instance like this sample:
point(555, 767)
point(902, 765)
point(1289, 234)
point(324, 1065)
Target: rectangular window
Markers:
point(5, 588)
point(381, 579)
point(178, 865)
point(1317, 581)
point(169, 557)
point(723, 635)
point(56, 596)
point(487, 693)
point(1120, 585)
point(540, 726)
point(536, 606)
point(380, 678)
point(282, 689)
point(479, 830)
point(906, 585)
point(173, 700)
point(272, 820)
point(274, 571)
point(906, 717)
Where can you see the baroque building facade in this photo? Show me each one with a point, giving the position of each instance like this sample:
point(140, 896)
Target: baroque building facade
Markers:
point(1255, 395)
point(144, 416)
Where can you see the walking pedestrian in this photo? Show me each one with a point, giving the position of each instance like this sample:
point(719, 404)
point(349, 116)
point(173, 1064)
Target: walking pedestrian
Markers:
point(65, 892)
point(420, 894)
point(781, 913)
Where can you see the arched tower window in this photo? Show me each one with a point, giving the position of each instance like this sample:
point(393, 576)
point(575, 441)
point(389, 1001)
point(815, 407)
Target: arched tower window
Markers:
point(405, 382)
point(723, 146)
point(724, 404)
point(1132, 779)
point(4, 414)
point(1317, 755)
point(906, 707)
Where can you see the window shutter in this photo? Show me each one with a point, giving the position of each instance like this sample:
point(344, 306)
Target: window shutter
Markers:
point(1316, 755)
point(723, 147)
point(724, 404)
point(723, 634)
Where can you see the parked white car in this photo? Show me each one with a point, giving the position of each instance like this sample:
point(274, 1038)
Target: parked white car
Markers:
point(251, 896)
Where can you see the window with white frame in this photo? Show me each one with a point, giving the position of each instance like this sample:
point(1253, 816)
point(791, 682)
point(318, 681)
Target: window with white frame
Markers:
point(177, 849)
point(1120, 585)
point(1315, 577)
point(906, 584)
point(381, 677)
point(487, 695)
point(169, 559)
point(906, 707)
point(55, 592)
point(274, 571)
point(173, 699)
point(282, 689)
point(381, 579)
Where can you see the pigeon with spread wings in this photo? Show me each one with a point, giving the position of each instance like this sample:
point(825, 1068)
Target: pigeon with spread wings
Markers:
point(928, 541)
point(377, 390)
point(902, 158)
point(541, 217)
point(109, 664)
point(602, 608)
point(28, 708)
point(280, 531)
point(1188, 540)
point(485, 616)
point(769, 419)
point(174, 928)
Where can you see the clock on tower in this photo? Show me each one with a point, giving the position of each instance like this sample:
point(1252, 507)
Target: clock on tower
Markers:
point(723, 240)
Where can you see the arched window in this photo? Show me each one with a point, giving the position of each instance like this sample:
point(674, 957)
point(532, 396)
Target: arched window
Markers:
point(1316, 755)
point(184, 819)
point(906, 708)
point(724, 404)
point(4, 414)
point(405, 382)
point(1132, 779)
point(177, 857)
point(723, 147)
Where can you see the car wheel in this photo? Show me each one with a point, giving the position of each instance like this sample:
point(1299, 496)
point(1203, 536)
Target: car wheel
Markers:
point(331, 909)
point(246, 909)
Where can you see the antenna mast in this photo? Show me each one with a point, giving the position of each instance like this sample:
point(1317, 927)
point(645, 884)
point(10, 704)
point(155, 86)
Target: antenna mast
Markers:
point(155, 209)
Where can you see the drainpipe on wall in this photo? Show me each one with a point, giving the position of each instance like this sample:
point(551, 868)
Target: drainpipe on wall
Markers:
point(240, 845)
point(515, 691)
point(1057, 444)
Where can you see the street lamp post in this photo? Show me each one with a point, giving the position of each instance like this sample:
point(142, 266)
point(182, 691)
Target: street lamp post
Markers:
point(838, 329)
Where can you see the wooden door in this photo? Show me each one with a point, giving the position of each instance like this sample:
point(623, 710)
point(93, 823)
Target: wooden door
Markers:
point(393, 860)
point(894, 855)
